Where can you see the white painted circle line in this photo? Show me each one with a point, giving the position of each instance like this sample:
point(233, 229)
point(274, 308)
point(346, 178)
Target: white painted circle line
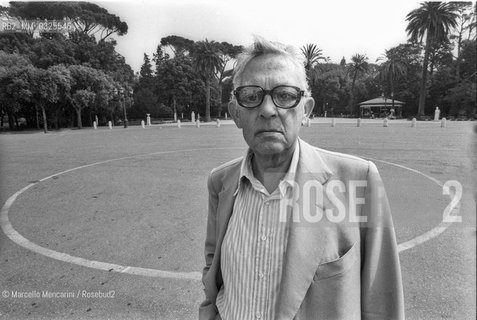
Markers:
point(16, 237)
point(429, 234)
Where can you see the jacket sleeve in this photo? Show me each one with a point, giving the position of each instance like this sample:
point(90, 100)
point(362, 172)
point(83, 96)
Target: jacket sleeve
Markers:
point(381, 285)
point(207, 309)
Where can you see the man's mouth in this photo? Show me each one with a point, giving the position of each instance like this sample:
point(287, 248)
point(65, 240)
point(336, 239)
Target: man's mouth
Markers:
point(269, 131)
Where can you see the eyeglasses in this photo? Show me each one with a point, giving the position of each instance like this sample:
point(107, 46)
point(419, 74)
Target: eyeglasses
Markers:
point(285, 97)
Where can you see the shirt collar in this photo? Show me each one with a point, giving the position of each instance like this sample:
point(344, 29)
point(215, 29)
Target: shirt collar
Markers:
point(246, 171)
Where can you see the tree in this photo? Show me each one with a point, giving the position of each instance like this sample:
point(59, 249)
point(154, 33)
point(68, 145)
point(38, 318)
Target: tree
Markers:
point(62, 77)
point(60, 56)
point(312, 55)
point(176, 82)
point(82, 99)
point(145, 102)
point(206, 62)
point(434, 20)
point(48, 52)
point(358, 65)
point(85, 82)
point(226, 52)
point(44, 90)
point(146, 76)
point(14, 84)
point(391, 69)
point(178, 45)
point(88, 18)
point(325, 88)
point(469, 59)
point(466, 23)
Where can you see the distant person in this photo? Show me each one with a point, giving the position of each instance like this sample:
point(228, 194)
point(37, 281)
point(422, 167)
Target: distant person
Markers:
point(294, 231)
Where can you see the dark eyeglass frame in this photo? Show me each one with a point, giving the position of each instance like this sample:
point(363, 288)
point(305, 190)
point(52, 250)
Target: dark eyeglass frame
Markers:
point(300, 93)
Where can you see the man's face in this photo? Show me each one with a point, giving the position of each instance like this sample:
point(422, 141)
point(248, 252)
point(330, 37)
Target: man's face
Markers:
point(267, 129)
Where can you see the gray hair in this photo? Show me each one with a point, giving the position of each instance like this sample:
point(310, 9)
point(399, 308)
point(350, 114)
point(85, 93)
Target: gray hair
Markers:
point(262, 46)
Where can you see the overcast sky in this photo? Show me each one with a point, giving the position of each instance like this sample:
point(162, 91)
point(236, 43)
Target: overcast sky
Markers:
point(339, 28)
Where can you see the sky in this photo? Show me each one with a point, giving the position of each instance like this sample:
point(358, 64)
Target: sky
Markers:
point(338, 28)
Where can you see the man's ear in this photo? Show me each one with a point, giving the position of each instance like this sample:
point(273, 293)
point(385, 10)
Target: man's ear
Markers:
point(309, 105)
point(234, 111)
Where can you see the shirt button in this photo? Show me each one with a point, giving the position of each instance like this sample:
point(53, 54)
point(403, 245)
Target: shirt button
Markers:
point(260, 275)
point(267, 203)
point(258, 315)
point(264, 238)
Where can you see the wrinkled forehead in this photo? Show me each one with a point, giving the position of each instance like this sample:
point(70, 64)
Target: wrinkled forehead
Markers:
point(276, 67)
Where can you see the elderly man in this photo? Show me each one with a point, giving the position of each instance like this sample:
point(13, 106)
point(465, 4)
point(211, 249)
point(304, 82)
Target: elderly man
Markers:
point(294, 231)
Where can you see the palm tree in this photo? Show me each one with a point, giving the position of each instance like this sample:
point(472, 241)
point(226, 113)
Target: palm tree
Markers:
point(433, 20)
point(391, 68)
point(359, 64)
point(206, 62)
point(312, 54)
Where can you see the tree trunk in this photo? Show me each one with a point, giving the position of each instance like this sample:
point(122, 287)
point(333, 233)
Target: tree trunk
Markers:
point(423, 89)
point(220, 91)
point(45, 123)
point(458, 60)
point(207, 100)
point(78, 113)
point(90, 118)
point(174, 107)
point(351, 98)
point(37, 118)
point(392, 93)
point(56, 120)
point(11, 124)
point(72, 120)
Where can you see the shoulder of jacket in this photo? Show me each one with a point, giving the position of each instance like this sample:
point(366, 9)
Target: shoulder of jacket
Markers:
point(223, 168)
point(341, 156)
point(342, 162)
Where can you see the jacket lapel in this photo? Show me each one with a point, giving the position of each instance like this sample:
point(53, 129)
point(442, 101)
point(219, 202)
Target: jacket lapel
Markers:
point(225, 206)
point(224, 212)
point(306, 241)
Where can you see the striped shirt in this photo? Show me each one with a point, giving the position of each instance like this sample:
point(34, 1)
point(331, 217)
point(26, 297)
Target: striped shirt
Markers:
point(254, 246)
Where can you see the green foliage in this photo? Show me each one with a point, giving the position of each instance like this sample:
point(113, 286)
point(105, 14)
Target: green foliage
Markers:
point(179, 45)
point(180, 81)
point(468, 60)
point(391, 70)
point(176, 80)
point(83, 98)
point(206, 59)
point(312, 55)
point(206, 62)
point(87, 17)
point(462, 100)
point(435, 20)
point(359, 65)
point(144, 102)
point(146, 68)
point(82, 60)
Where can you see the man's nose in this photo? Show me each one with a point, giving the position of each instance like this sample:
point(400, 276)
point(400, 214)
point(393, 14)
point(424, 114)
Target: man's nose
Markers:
point(268, 108)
